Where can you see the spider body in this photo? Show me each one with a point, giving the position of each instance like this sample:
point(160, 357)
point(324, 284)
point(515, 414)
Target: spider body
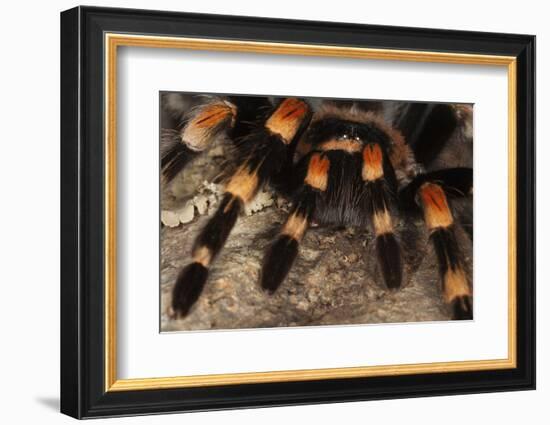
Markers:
point(340, 165)
point(361, 159)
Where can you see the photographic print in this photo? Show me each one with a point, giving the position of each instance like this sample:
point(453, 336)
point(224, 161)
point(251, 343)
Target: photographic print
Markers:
point(286, 211)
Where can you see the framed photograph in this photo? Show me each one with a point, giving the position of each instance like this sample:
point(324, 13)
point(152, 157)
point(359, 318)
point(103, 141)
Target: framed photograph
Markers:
point(261, 212)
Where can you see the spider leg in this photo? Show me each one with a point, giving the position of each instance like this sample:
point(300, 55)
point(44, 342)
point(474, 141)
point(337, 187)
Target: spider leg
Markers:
point(427, 128)
point(283, 250)
point(440, 223)
point(457, 183)
point(205, 123)
point(379, 178)
point(262, 153)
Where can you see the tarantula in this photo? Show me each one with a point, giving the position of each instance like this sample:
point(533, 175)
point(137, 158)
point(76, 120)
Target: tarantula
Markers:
point(340, 163)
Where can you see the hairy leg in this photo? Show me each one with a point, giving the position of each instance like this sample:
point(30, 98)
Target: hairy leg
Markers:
point(261, 153)
point(440, 222)
point(283, 251)
point(379, 179)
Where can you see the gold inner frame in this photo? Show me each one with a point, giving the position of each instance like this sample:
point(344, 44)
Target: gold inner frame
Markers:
point(113, 41)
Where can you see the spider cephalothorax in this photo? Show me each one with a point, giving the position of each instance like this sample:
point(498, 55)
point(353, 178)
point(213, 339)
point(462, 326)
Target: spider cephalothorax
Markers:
point(340, 163)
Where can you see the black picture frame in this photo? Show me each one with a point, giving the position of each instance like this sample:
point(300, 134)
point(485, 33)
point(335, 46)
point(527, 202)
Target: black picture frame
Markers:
point(83, 392)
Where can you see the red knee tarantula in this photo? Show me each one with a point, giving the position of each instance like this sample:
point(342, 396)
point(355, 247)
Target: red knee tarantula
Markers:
point(340, 163)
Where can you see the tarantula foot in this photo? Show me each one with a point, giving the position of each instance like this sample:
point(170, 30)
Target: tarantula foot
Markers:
point(462, 308)
point(389, 255)
point(188, 287)
point(278, 260)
